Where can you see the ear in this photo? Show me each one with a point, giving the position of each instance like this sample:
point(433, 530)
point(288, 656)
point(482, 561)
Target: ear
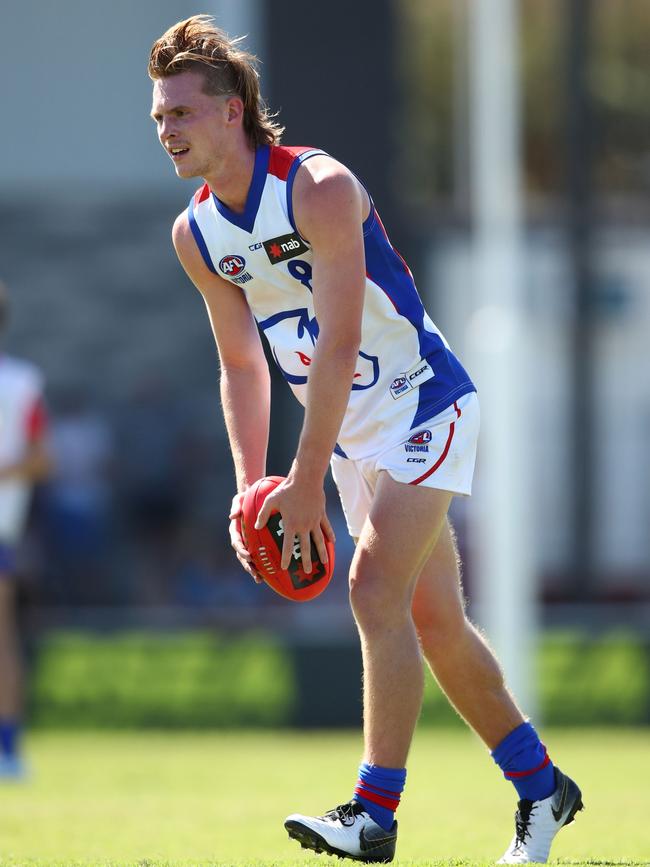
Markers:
point(235, 109)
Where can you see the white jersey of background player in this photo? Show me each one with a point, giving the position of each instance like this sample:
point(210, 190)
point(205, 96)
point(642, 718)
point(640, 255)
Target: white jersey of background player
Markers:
point(23, 460)
point(288, 240)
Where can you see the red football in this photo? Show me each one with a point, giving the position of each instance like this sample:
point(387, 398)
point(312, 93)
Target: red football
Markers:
point(265, 548)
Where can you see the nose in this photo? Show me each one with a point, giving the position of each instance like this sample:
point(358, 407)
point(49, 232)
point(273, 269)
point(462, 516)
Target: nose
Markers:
point(167, 129)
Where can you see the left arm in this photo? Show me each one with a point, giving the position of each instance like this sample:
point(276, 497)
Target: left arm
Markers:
point(328, 207)
point(34, 467)
point(35, 464)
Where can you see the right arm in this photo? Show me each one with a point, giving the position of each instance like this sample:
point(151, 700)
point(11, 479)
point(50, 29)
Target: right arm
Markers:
point(245, 381)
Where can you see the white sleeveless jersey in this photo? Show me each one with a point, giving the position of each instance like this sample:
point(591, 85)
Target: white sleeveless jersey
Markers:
point(405, 373)
point(21, 419)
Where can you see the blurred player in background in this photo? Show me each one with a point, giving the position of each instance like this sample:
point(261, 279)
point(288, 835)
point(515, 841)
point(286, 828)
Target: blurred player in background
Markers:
point(288, 238)
point(24, 460)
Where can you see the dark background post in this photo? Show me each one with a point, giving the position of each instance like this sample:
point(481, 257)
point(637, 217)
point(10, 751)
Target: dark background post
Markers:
point(580, 219)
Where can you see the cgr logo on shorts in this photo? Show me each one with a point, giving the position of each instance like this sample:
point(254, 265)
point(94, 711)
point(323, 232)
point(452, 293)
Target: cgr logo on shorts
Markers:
point(418, 442)
point(233, 267)
point(416, 460)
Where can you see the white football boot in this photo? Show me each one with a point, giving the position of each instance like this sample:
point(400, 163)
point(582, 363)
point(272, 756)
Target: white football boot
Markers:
point(537, 822)
point(346, 831)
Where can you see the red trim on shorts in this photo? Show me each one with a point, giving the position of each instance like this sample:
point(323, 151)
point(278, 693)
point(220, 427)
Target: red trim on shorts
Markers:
point(445, 451)
point(389, 803)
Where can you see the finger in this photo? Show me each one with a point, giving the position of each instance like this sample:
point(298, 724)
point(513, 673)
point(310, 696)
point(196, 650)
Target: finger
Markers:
point(319, 541)
point(305, 551)
point(327, 527)
point(287, 548)
point(264, 513)
point(251, 571)
point(236, 506)
point(237, 540)
point(241, 552)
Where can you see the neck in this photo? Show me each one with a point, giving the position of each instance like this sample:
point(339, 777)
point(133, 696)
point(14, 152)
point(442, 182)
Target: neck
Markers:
point(232, 179)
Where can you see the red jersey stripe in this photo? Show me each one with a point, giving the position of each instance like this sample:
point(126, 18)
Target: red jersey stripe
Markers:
point(36, 421)
point(282, 158)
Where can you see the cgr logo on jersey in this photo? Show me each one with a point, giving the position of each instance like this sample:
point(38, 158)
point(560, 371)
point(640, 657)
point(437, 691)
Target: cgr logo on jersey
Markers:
point(233, 267)
point(418, 442)
point(410, 379)
point(284, 247)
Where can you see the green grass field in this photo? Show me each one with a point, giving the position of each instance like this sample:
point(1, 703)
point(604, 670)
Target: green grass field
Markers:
point(153, 799)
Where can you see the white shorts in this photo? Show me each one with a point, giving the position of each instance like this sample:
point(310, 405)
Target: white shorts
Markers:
point(439, 453)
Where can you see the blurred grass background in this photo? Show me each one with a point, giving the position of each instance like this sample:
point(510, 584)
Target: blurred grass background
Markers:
point(203, 679)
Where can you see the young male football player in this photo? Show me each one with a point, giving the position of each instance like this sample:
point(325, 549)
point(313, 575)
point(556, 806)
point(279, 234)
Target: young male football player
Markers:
point(286, 241)
point(23, 461)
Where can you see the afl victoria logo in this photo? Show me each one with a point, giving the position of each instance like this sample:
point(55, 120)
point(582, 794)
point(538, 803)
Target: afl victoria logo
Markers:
point(232, 266)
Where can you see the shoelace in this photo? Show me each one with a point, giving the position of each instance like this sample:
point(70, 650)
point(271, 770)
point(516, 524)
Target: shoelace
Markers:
point(522, 820)
point(344, 812)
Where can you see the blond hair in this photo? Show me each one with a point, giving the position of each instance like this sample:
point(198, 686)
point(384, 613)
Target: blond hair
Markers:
point(198, 44)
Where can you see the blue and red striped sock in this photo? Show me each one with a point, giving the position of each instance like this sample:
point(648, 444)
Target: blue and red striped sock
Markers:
point(524, 761)
point(379, 790)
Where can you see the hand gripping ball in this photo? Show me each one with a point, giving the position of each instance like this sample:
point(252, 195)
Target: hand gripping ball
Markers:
point(265, 548)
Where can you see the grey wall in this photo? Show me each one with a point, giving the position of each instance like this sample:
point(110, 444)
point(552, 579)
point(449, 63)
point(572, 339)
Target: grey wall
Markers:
point(75, 93)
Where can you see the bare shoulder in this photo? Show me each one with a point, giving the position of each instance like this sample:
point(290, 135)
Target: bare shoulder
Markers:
point(326, 193)
point(184, 243)
point(190, 256)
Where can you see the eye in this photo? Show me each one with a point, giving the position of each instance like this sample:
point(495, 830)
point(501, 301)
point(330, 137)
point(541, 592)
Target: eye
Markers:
point(180, 112)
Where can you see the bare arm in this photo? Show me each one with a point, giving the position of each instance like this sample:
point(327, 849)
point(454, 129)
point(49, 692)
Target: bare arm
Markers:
point(245, 381)
point(35, 465)
point(328, 206)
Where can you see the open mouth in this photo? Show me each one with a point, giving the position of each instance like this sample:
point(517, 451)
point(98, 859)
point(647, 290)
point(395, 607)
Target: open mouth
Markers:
point(177, 153)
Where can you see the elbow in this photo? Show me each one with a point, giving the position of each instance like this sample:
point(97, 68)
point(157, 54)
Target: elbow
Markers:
point(342, 346)
point(44, 468)
point(343, 343)
point(249, 368)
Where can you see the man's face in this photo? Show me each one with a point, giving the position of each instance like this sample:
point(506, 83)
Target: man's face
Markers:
point(192, 125)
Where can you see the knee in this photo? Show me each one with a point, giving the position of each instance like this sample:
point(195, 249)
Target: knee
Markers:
point(377, 602)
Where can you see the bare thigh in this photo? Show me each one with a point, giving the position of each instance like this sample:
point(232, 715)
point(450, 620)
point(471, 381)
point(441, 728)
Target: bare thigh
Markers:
point(399, 534)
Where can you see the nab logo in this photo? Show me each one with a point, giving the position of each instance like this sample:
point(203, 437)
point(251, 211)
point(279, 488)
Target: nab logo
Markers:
point(420, 438)
point(285, 247)
point(232, 266)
